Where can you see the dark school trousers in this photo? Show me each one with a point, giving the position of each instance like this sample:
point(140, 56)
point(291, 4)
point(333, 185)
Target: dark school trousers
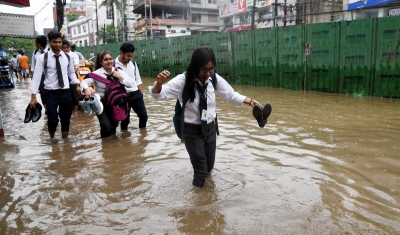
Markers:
point(107, 124)
point(58, 99)
point(136, 102)
point(42, 91)
point(201, 150)
point(74, 94)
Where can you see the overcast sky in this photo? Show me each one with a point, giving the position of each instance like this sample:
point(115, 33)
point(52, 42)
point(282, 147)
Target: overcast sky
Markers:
point(42, 9)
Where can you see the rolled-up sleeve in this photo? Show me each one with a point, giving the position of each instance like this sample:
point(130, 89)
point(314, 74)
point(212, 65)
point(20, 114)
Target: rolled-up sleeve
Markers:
point(227, 92)
point(72, 74)
point(171, 89)
point(137, 75)
point(127, 81)
point(86, 83)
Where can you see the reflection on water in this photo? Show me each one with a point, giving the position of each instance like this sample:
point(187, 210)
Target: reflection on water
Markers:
point(324, 164)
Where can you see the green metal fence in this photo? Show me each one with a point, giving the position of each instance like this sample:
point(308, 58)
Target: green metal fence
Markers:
point(352, 57)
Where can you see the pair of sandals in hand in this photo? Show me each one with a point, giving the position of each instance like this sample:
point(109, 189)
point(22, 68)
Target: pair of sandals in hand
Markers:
point(261, 114)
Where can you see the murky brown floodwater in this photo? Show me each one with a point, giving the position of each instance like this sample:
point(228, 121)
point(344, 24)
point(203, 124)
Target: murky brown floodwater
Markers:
point(324, 164)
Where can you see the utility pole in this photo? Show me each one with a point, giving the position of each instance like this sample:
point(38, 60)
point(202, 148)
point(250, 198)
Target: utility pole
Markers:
point(253, 12)
point(104, 34)
point(285, 10)
point(97, 24)
point(275, 12)
point(145, 17)
point(123, 20)
point(151, 22)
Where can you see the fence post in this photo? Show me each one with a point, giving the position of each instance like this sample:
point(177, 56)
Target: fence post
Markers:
point(1, 126)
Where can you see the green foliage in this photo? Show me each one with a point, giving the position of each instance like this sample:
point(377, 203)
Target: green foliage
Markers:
point(110, 3)
point(110, 32)
point(11, 45)
point(72, 16)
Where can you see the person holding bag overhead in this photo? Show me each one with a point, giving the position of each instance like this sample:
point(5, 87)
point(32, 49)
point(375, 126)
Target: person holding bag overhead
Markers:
point(104, 68)
point(199, 115)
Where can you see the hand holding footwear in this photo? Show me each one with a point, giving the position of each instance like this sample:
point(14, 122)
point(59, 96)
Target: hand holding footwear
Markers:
point(28, 114)
point(262, 113)
point(36, 112)
point(96, 104)
point(87, 108)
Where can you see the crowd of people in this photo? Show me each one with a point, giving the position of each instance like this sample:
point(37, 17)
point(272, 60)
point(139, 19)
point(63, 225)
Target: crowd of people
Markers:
point(54, 77)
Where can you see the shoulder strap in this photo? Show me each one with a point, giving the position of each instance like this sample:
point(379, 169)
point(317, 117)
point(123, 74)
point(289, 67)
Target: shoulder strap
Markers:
point(184, 101)
point(67, 57)
point(98, 78)
point(214, 81)
point(134, 65)
point(36, 50)
point(46, 56)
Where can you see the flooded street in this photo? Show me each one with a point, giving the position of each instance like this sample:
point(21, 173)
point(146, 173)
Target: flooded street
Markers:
point(324, 164)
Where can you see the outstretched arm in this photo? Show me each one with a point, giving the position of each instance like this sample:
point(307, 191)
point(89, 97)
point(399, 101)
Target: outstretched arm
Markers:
point(161, 79)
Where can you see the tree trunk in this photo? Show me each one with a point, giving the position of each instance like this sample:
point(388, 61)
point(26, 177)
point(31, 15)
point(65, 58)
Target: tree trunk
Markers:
point(113, 16)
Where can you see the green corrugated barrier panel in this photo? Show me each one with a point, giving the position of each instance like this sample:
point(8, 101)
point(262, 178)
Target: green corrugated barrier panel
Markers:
point(387, 74)
point(358, 57)
point(321, 61)
point(243, 57)
point(356, 48)
point(266, 57)
point(178, 55)
point(291, 52)
point(141, 45)
point(156, 59)
point(223, 55)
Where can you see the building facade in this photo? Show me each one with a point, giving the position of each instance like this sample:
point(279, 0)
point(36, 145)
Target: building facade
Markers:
point(162, 18)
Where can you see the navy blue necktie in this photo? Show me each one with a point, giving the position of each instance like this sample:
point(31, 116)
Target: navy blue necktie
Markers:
point(59, 73)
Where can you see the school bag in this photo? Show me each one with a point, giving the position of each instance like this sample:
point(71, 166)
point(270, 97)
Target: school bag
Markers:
point(179, 125)
point(115, 95)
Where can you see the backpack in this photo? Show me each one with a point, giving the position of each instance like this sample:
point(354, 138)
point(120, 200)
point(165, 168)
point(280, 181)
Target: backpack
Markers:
point(115, 95)
point(179, 110)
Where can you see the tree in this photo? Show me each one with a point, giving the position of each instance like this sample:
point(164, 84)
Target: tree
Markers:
point(72, 16)
point(107, 34)
point(60, 13)
point(11, 45)
point(111, 3)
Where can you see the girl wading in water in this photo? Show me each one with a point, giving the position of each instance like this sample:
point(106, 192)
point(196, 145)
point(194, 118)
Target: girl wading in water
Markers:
point(199, 113)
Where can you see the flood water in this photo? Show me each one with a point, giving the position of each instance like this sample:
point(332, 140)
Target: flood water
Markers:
point(324, 164)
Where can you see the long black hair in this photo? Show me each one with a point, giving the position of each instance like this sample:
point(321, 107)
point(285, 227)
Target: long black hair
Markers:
point(99, 58)
point(200, 58)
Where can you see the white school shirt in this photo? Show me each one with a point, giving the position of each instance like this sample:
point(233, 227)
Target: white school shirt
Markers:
point(51, 80)
point(35, 55)
point(192, 113)
point(74, 57)
point(100, 87)
point(130, 70)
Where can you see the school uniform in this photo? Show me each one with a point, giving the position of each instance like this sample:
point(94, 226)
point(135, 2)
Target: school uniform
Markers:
point(56, 87)
point(201, 148)
point(107, 124)
point(74, 59)
point(35, 55)
point(136, 101)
